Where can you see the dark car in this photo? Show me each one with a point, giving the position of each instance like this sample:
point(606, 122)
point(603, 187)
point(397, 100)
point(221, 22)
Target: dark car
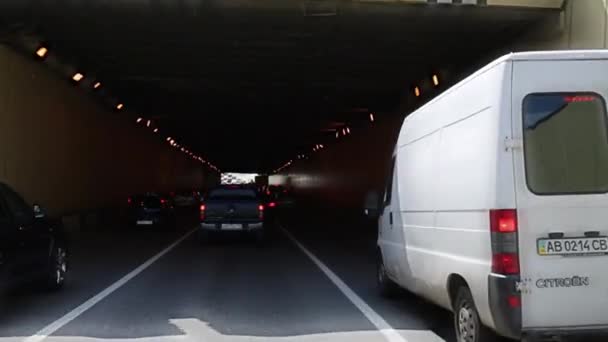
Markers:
point(151, 209)
point(232, 208)
point(278, 196)
point(32, 246)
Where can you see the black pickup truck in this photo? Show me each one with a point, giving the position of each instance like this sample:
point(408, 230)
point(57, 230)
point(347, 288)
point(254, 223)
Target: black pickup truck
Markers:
point(230, 209)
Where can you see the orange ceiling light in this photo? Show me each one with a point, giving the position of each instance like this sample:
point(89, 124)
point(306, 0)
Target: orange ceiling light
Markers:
point(77, 77)
point(42, 52)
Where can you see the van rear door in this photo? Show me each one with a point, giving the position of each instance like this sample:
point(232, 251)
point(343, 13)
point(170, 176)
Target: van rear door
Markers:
point(561, 172)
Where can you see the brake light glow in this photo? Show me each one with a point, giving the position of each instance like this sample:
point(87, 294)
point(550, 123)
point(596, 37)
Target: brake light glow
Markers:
point(163, 201)
point(202, 212)
point(505, 263)
point(261, 207)
point(129, 200)
point(272, 204)
point(514, 301)
point(579, 98)
point(503, 221)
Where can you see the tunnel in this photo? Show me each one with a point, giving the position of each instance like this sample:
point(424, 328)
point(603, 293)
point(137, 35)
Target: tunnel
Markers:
point(103, 100)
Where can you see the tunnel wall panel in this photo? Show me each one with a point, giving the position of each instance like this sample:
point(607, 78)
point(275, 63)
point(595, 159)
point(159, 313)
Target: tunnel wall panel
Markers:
point(60, 148)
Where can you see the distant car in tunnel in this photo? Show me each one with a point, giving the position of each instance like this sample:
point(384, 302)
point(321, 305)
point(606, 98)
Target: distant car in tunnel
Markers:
point(151, 209)
point(186, 199)
point(278, 196)
point(230, 209)
point(33, 247)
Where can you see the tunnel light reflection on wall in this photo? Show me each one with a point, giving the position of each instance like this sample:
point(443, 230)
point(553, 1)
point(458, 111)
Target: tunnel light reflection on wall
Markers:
point(42, 52)
point(78, 77)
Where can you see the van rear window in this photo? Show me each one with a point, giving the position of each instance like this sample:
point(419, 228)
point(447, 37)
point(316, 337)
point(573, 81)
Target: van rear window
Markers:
point(565, 143)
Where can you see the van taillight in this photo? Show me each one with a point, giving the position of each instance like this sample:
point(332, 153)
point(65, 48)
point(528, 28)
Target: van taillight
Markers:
point(505, 253)
point(202, 211)
point(261, 211)
point(503, 221)
point(505, 263)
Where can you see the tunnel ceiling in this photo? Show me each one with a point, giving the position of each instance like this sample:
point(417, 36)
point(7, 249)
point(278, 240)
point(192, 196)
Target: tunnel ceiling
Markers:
point(251, 84)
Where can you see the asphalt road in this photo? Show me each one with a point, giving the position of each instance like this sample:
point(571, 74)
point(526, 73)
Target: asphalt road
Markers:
point(231, 290)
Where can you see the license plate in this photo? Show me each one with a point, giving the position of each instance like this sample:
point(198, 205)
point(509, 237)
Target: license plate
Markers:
point(573, 246)
point(146, 222)
point(232, 226)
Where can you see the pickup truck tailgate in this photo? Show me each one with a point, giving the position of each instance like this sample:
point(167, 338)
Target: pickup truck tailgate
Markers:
point(232, 211)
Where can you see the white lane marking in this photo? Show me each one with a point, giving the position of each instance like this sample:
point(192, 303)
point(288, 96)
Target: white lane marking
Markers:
point(386, 329)
point(67, 318)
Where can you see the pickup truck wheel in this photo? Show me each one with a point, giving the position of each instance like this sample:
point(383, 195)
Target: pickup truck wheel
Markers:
point(466, 319)
point(57, 268)
point(386, 286)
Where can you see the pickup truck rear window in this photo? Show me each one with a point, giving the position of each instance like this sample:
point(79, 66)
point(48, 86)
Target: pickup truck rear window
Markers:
point(232, 194)
point(565, 143)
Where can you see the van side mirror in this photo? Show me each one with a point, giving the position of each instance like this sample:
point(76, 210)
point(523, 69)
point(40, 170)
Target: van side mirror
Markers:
point(372, 204)
point(39, 212)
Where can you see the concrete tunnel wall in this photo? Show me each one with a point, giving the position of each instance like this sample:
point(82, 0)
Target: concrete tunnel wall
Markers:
point(340, 175)
point(60, 148)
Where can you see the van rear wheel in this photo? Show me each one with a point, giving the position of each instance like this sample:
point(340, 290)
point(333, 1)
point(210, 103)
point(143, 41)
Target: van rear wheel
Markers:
point(386, 286)
point(466, 319)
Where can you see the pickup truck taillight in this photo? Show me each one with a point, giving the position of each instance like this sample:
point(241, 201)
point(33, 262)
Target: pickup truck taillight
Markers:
point(261, 211)
point(202, 211)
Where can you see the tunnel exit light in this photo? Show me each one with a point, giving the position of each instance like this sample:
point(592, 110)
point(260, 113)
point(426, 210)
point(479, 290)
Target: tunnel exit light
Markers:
point(417, 92)
point(435, 80)
point(42, 51)
point(78, 77)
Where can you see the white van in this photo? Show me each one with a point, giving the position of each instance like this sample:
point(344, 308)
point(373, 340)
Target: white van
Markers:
point(497, 206)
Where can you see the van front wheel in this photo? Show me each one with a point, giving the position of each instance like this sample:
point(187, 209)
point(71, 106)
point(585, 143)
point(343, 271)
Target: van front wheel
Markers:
point(466, 319)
